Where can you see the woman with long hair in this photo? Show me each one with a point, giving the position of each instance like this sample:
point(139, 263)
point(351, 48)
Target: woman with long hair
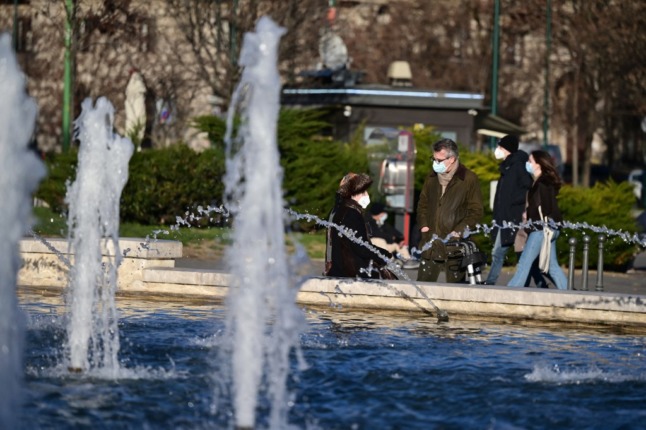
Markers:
point(542, 195)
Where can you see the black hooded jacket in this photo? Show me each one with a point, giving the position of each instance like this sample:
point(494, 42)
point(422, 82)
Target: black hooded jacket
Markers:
point(511, 195)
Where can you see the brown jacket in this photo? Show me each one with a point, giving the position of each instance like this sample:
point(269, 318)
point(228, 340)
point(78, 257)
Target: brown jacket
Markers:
point(348, 258)
point(460, 207)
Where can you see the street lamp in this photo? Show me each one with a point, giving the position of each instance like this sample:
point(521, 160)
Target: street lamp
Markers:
point(494, 66)
point(546, 101)
point(67, 75)
point(15, 25)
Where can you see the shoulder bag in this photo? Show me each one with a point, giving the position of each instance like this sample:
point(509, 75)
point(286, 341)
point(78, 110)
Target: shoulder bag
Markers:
point(546, 245)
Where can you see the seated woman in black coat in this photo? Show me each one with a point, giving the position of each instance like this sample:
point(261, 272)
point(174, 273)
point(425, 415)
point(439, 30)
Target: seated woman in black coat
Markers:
point(346, 257)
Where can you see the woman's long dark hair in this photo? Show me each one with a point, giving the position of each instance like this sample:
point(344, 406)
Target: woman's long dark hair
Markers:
point(548, 169)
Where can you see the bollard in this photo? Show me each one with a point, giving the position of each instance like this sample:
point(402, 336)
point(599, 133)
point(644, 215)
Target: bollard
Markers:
point(570, 277)
point(584, 280)
point(599, 286)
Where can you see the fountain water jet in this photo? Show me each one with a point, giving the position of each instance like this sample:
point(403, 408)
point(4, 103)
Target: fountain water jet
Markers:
point(20, 172)
point(93, 337)
point(263, 321)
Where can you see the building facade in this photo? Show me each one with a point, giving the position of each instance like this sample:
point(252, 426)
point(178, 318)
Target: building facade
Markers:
point(186, 51)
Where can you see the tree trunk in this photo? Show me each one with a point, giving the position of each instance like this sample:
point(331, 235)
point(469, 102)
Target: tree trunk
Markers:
point(587, 161)
point(575, 130)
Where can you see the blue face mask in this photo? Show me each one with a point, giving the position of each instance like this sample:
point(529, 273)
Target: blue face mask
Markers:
point(439, 167)
point(529, 168)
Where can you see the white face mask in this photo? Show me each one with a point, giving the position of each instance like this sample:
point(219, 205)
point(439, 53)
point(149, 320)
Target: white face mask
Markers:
point(499, 153)
point(439, 167)
point(382, 219)
point(364, 201)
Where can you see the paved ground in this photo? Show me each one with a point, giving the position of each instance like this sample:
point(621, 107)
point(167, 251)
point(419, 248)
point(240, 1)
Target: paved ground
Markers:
point(632, 282)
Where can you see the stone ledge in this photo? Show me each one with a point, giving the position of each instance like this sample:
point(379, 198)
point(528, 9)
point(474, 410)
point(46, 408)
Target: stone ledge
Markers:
point(160, 275)
point(479, 294)
point(150, 272)
point(131, 247)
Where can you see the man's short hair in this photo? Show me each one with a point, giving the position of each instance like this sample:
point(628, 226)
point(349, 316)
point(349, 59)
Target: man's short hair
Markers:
point(450, 146)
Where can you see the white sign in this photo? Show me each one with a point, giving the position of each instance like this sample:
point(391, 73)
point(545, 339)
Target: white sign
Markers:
point(396, 201)
point(402, 142)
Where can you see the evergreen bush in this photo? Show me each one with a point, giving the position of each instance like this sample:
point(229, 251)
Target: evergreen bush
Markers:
point(605, 206)
point(162, 183)
point(166, 183)
point(61, 168)
point(312, 165)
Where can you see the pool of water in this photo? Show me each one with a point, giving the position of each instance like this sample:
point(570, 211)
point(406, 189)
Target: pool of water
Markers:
point(364, 371)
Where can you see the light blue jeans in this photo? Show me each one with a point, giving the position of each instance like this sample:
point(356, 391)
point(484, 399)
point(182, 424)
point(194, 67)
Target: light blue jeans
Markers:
point(497, 259)
point(530, 252)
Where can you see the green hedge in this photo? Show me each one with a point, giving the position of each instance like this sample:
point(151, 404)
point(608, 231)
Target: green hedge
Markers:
point(166, 183)
point(605, 205)
point(162, 183)
point(61, 169)
point(312, 165)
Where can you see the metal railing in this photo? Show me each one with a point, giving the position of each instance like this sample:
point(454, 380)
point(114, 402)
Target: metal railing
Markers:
point(601, 239)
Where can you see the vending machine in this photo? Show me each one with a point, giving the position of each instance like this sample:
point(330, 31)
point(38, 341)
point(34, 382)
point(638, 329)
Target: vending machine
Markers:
point(397, 181)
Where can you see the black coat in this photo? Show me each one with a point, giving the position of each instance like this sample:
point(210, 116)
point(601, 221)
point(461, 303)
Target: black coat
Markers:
point(511, 195)
point(385, 231)
point(348, 257)
point(543, 193)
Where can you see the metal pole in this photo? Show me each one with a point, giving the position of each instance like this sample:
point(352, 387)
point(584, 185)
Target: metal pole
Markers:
point(67, 77)
point(494, 65)
point(407, 196)
point(599, 286)
point(233, 34)
point(586, 247)
point(548, 46)
point(15, 26)
point(570, 277)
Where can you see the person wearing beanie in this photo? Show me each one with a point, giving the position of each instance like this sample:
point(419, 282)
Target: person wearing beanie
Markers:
point(509, 143)
point(509, 201)
point(345, 257)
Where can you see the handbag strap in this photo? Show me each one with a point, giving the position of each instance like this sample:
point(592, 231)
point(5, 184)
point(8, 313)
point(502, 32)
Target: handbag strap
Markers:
point(328, 245)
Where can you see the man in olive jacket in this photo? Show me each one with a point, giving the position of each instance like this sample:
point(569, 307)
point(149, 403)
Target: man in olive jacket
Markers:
point(450, 203)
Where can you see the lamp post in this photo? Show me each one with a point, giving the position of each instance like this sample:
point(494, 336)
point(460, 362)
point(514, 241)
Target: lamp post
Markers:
point(233, 34)
point(15, 26)
point(494, 65)
point(546, 101)
point(67, 75)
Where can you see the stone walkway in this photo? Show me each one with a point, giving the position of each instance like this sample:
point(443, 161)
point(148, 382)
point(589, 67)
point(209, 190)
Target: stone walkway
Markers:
point(632, 282)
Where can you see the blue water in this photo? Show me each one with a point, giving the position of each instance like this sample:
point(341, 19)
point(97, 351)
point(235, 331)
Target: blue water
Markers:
point(364, 371)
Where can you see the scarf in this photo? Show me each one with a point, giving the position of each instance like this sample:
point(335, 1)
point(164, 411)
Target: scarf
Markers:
point(445, 178)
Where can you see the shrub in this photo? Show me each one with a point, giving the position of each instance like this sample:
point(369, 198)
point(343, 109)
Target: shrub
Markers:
point(165, 183)
point(215, 127)
point(606, 206)
point(312, 165)
point(162, 183)
point(60, 169)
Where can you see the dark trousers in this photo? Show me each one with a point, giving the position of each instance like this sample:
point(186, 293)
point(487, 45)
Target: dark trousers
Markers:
point(429, 270)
